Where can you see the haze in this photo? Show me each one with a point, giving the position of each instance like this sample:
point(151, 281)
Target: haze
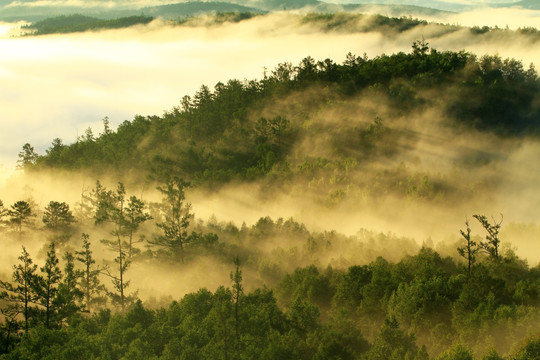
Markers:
point(57, 86)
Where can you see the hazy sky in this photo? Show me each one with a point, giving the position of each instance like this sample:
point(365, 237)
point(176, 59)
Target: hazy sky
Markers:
point(57, 86)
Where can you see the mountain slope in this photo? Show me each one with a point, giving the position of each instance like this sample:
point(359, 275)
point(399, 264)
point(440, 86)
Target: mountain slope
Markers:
point(34, 11)
point(338, 132)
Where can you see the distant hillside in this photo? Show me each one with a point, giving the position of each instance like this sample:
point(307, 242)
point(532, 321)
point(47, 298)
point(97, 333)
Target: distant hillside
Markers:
point(383, 9)
point(34, 13)
point(174, 11)
point(80, 23)
point(430, 4)
point(525, 4)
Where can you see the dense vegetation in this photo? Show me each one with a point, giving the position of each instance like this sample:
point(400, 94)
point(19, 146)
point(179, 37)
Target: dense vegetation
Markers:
point(331, 131)
point(191, 14)
point(266, 129)
point(418, 306)
point(43, 11)
point(81, 23)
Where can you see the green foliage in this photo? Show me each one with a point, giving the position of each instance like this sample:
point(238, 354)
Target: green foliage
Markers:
point(177, 215)
point(67, 302)
point(47, 284)
point(233, 134)
point(89, 276)
point(457, 352)
point(392, 343)
point(530, 350)
point(125, 218)
point(27, 157)
point(306, 284)
point(21, 294)
point(361, 22)
point(57, 216)
point(81, 23)
point(423, 294)
point(20, 213)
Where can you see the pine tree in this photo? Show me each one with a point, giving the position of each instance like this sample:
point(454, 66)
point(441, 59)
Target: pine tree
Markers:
point(112, 209)
point(177, 215)
point(27, 157)
point(57, 216)
point(69, 296)
point(20, 212)
point(22, 291)
point(468, 252)
point(89, 280)
point(47, 284)
point(237, 292)
point(134, 217)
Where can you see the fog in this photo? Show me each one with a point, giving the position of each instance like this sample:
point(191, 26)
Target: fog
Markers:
point(501, 17)
point(57, 86)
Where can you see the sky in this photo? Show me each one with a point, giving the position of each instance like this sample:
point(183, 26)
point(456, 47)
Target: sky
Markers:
point(57, 86)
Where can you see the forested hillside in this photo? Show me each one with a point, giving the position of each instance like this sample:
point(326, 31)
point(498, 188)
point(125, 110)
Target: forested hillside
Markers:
point(79, 23)
point(128, 270)
point(320, 122)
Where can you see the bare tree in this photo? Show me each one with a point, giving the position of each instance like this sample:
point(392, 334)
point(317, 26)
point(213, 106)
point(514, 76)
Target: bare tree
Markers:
point(491, 246)
point(468, 252)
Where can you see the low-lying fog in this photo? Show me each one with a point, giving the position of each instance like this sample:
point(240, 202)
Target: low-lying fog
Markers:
point(57, 86)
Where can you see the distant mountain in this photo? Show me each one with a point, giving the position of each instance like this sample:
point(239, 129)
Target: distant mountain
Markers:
point(172, 11)
point(450, 6)
point(525, 4)
point(191, 8)
point(279, 4)
point(80, 23)
point(437, 5)
point(382, 9)
point(25, 10)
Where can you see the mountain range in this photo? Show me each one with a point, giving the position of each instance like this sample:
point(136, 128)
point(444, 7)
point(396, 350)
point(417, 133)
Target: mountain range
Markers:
point(33, 10)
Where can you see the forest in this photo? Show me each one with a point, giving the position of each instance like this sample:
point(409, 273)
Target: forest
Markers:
point(79, 23)
point(232, 134)
point(277, 289)
point(251, 219)
point(193, 15)
point(478, 301)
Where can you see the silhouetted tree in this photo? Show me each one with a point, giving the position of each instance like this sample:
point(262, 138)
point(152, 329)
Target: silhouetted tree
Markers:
point(112, 208)
point(22, 291)
point(47, 283)
point(20, 213)
point(135, 215)
point(491, 246)
point(469, 250)
point(420, 47)
point(57, 216)
point(90, 284)
point(27, 157)
point(237, 292)
point(3, 212)
point(68, 295)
